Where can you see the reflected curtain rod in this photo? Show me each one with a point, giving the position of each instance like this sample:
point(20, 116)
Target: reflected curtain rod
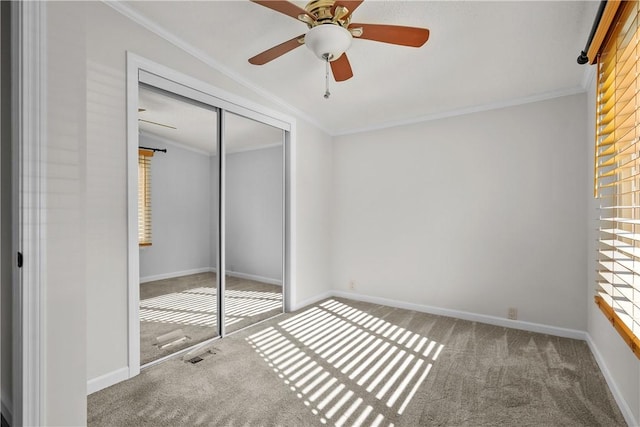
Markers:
point(583, 58)
point(162, 150)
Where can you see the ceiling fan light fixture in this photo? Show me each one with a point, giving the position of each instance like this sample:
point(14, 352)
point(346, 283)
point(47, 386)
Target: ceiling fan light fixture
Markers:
point(328, 40)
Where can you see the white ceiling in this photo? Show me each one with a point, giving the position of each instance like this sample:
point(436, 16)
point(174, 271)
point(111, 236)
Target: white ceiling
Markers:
point(479, 53)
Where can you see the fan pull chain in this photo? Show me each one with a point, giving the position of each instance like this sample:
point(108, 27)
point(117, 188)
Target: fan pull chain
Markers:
point(327, 94)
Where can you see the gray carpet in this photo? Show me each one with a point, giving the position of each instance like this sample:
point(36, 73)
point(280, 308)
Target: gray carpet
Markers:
point(350, 363)
point(188, 303)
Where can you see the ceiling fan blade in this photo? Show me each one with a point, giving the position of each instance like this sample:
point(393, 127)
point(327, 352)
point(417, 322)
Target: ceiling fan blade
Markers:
point(284, 7)
point(394, 34)
point(341, 68)
point(277, 51)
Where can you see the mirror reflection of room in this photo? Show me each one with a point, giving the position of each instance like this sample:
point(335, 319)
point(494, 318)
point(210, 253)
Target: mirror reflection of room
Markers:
point(178, 222)
point(254, 171)
point(178, 204)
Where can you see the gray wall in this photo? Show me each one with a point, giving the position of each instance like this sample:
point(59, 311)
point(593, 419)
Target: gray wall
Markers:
point(182, 186)
point(254, 213)
point(474, 213)
point(184, 221)
point(184, 213)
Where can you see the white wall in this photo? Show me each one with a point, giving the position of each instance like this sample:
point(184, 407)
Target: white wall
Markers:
point(421, 213)
point(475, 213)
point(254, 213)
point(6, 253)
point(397, 224)
point(182, 185)
point(109, 35)
point(314, 175)
point(76, 199)
point(615, 356)
point(87, 229)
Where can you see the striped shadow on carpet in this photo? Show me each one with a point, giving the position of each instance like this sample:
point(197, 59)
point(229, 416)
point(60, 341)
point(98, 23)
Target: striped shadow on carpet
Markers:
point(378, 362)
point(349, 363)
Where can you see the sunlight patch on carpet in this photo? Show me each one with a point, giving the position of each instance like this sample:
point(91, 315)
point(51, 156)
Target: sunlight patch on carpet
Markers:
point(198, 306)
point(349, 367)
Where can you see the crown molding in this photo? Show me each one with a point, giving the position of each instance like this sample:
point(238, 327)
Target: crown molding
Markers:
point(164, 140)
point(157, 29)
point(466, 110)
point(261, 147)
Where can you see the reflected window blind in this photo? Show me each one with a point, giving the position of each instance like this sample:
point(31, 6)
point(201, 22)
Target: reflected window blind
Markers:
point(617, 176)
point(144, 197)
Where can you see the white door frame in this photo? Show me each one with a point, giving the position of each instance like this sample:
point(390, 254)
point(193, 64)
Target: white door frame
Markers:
point(28, 74)
point(141, 69)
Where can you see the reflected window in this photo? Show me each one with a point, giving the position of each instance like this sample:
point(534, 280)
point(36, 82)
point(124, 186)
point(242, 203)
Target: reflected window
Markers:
point(144, 197)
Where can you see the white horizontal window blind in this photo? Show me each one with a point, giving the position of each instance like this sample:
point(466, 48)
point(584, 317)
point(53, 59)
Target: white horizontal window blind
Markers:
point(617, 175)
point(144, 197)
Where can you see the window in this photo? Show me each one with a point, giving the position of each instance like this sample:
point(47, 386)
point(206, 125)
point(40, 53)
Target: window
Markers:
point(617, 173)
point(144, 197)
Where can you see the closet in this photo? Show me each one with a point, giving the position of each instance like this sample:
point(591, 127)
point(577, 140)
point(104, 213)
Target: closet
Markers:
point(210, 193)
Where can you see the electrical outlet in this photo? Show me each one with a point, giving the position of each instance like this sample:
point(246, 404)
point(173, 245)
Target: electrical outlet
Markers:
point(512, 313)
point(352, 285)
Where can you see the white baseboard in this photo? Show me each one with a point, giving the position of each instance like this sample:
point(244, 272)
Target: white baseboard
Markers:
point(107, 380)
point(311, 301)
point(492, 320)
point(474, 317)
point(212, 270)
point(617, 395)
point(122, 374)
point(254, 277)
point(6, 411)
point(176, 274)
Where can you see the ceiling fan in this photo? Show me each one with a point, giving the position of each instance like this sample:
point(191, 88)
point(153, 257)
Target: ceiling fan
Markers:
point(142, 110)
point(331, 32)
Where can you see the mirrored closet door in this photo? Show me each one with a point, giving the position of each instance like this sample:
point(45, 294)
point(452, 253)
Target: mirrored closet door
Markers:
point(177, 222)
point(254, 221)
point(211, 220)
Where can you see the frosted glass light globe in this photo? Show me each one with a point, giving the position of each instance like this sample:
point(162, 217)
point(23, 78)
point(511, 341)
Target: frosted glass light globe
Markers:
point(328, 39)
